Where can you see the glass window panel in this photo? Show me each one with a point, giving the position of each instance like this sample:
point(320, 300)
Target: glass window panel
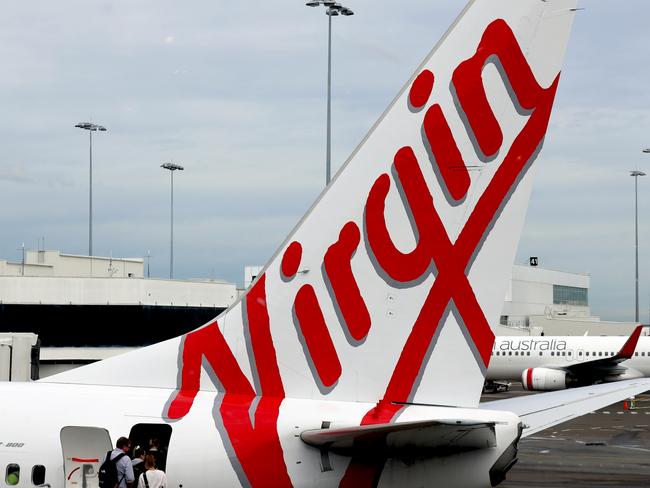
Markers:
point(12, 475)
point(570, 295)
point(38, 475)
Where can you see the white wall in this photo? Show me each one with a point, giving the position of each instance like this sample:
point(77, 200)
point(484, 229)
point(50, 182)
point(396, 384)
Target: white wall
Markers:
point(53, 263)
point(530, 292)
point(115, 291)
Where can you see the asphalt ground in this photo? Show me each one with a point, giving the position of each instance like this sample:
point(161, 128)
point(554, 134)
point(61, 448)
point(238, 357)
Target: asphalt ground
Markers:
point(609, 447)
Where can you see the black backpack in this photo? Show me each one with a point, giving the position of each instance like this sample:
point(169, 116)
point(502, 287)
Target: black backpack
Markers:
point(108, 471)
point(138, 469)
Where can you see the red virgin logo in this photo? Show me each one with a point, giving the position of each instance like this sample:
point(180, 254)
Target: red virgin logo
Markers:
point(434, 253)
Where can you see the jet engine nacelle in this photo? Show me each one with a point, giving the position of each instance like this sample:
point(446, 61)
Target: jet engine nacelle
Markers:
point(546, 379)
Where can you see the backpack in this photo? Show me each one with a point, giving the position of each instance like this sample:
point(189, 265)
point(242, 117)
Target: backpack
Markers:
point(108, 471)
point(138, 469)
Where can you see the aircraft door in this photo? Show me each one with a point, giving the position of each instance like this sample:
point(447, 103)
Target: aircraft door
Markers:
point(84, 451)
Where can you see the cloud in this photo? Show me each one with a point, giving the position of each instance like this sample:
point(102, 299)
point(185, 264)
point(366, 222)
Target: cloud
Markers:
point(239, 100)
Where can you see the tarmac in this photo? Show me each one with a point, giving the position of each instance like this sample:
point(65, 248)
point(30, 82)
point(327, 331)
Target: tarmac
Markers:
point(609, 447)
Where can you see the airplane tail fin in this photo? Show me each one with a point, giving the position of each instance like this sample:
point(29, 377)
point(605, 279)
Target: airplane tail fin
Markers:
point(386, 289)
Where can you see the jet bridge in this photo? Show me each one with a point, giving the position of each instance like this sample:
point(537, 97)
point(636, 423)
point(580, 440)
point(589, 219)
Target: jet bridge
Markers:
point(19, 356)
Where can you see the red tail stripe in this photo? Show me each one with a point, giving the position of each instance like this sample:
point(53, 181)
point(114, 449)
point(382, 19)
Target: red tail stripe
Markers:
point(347, 295)
point(317, 336)
point(630, 345)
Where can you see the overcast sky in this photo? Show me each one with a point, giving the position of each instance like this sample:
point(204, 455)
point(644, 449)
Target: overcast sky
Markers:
point(235, 92)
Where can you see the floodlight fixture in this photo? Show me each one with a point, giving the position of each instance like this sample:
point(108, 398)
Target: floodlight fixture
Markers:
point(172, 166)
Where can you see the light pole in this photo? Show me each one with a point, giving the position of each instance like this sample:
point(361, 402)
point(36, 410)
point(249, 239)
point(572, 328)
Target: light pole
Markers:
point(90, 127)
point(172, 167)
point(636, 175)
point(332, 9)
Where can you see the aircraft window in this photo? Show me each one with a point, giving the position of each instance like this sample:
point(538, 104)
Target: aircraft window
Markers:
point(643, 353)
point(12, 476)
point(636, 353)
point(600, 353)
point(579, 353)
point(587, 353)
point(563, 353)
point(540, 353)
point(509, 353)
point(528, 353)
point(569, 353)
point(38, 475)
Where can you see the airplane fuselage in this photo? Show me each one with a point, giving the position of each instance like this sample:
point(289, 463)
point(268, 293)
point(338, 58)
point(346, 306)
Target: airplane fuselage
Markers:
point(200, 447)
point(511, 355)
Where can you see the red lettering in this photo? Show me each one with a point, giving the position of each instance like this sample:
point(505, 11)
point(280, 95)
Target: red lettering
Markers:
point(257, 448)
point(498, 40)
point(421, 89)
point(401, 267)
point(347, 296)
point(291, 260)
point(452, 259)
point(317, 336)
point(445, 152)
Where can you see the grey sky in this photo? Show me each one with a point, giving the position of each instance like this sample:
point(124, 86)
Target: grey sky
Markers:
point(235, 91)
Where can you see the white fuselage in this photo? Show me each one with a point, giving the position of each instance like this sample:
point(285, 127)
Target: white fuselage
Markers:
point(32, 416)
point(511, 355)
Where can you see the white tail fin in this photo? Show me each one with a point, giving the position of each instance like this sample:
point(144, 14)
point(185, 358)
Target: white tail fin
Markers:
point(386, 288)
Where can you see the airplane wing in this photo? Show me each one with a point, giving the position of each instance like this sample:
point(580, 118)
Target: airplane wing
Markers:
point(541, 411)
point(397, 439)
point(590, 372)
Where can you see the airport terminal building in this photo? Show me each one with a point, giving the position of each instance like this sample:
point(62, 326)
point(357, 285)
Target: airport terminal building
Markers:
point(551, 302)
point(80, 309)
point(86, 308)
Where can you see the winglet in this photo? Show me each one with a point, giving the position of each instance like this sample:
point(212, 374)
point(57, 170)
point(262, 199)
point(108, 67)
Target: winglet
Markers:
point(628, 348)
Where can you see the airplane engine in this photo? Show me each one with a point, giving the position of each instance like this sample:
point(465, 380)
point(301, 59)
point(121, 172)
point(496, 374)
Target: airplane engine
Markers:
point(546, 379)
